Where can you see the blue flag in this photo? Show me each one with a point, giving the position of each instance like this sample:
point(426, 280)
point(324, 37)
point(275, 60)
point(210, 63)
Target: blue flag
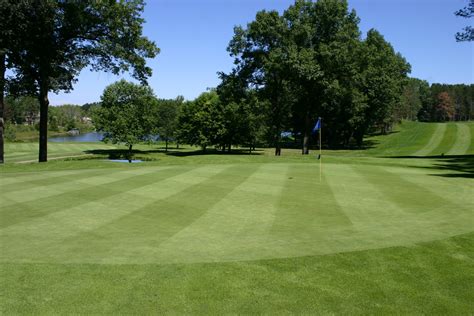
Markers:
point(317, 126)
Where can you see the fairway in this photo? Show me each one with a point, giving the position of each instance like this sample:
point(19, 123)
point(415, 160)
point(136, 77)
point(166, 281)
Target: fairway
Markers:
point(189, 234)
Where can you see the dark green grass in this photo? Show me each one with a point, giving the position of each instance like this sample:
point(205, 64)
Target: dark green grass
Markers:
point(429, 278)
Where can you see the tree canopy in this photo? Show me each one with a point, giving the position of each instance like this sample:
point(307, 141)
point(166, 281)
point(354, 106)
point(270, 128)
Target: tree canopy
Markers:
point(467, 34)
point(55, 40)
point(126, 113)
point(166, 119)
point(311, 62)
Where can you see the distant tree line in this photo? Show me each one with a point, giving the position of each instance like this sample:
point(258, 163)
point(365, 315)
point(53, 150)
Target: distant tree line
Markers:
point(436, 103)
point(22, 114)
point(25, 111)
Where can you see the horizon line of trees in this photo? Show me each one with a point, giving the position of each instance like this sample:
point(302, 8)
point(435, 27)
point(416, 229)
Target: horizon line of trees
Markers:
point(289, 69)
point(130, 114)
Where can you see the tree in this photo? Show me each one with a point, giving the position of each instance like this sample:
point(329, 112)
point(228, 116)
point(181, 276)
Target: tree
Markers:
point(58, 39)
point(468, 31)
point(126, 114)
point(323, 44)
point(167, 112)
point(200, 122)
point(11, 26)
point(21, 110)
point(311, 62)
point(384, 76)
point(444, 108)
point(242, 113)
point(261, 63)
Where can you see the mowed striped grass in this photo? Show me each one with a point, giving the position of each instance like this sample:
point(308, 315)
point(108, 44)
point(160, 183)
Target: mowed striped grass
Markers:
point(245, 234)
point(426, 139)
point(226, 212)
point(21, 152)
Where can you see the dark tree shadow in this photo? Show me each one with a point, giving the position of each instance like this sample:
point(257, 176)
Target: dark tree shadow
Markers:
point(463, 165)
point(121, 153)
point(124, 153)
point(241, 152)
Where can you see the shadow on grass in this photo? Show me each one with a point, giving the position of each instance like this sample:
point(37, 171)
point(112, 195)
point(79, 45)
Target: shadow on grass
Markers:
point(463, 165)
point(124, 153)
point(245, 152)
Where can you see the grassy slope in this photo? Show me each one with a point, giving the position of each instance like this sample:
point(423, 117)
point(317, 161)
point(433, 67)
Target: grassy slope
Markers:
point(425, 139)
point(181, 235)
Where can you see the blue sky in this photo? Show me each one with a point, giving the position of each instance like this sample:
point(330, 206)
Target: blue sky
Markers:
point(193, 36)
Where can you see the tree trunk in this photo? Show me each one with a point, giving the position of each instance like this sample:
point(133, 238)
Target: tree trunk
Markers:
point(43, 126)
point(130, 153)
point(277, 144)
point(2, 121)
point(307, 134)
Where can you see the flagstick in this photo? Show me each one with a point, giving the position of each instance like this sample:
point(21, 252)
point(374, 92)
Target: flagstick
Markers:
point(320, 156)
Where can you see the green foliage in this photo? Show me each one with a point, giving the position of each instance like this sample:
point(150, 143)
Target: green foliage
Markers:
point(311, 62)
point(200, 122)
point(461, 95)
point(10, 134)
point(21, 110)
point(384, 74)
point(54, 40)
point(415, 98)
point(166, 118)
point(126, 113)
point(468, 32)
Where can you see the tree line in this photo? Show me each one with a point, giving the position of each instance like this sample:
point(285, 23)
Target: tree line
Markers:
point(25, 110)
point(436, 102)
point(289, 69)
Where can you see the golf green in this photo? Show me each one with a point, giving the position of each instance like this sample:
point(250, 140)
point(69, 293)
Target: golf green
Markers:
point(196, 225)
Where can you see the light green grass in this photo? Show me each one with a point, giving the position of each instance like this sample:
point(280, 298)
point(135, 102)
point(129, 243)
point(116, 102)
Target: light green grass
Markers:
point(21, 152)
point(462, 141)
point(214, 234)
point(425, 139)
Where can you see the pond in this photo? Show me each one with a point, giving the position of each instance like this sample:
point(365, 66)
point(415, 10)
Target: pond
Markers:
point(87, 137)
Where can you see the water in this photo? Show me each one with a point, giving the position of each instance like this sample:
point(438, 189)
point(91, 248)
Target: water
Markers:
point(87, 137)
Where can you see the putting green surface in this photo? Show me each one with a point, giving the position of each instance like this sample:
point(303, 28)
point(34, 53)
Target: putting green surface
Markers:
point(226, 212)
point(213, 234)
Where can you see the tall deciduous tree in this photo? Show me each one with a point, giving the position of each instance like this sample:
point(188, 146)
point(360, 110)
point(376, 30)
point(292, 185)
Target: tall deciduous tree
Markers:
point(11, 27)
point(167, 112)
point(323, 44)
point(443, 109)
point(126, 113)
point(260, 58)
point(60, 38)
point(383, 80)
